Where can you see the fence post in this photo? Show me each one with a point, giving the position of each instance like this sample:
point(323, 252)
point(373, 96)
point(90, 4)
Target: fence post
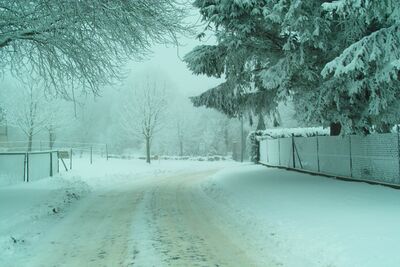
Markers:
point(51, 164)
point(70, 159)
point(318, 155)
point(258, 151)
point(106, 152)
point(27, 167)
point(91, 154)
point(25, 159)
point(279, 151)
point(293, 154)
point(351, 158)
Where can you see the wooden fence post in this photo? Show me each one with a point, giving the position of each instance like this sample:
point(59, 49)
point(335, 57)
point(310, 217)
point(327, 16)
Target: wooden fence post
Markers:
point(106, 152)
point(91, 154)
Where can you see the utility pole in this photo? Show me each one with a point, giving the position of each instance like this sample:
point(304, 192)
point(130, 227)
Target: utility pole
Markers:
point(241, 139)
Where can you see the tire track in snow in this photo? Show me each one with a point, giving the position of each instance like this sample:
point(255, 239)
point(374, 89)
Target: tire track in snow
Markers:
point(187, 232)
point(97, 233)
point(162, 221)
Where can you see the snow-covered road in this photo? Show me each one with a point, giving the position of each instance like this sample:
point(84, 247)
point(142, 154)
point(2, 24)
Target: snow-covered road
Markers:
point(187, 228)
point(95, 233)
point(167, 221)
point(198, 214)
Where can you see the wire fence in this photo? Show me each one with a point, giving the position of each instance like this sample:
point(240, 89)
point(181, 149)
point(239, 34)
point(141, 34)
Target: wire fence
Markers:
point(373, 158)
point(79, 149)
point(18, 167)
point(24, 162)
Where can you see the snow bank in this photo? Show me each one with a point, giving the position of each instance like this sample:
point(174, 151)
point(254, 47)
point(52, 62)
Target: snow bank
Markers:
point(26, 209)
point(304, 220)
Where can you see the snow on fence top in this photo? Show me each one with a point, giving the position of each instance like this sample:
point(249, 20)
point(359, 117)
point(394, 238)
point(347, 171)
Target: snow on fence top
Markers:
point(287, 132)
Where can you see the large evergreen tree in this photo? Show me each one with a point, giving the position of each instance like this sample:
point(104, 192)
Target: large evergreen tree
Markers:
point(337, 60)
point(362, 82)
point(239, 56)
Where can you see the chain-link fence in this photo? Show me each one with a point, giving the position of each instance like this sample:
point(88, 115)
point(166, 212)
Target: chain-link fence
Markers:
point(90, 151)
point(18, 167)
point(23, 161)
point(371, 158)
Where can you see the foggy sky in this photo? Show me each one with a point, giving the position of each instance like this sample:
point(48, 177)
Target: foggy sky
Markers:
point(168, 61)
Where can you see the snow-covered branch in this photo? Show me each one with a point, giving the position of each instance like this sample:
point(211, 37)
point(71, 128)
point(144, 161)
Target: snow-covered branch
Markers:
point(83, 41)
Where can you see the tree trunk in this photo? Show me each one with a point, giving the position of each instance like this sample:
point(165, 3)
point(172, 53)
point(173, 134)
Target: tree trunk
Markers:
point(235, 155)
point(52, 139)
point(276, 120)
point(30, 137)
point(180, 148)
point(261, 123)
point(180, 138)
point(148, 149)
point(226, 139)
point(335, 128)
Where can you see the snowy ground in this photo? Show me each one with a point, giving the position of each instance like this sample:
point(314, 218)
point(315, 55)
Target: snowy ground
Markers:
point(304, 220)
point(184, 213)
point(27, 210)
point(32, 214)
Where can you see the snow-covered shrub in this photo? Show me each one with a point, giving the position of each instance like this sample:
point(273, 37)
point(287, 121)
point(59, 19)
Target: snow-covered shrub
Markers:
point(254, 145)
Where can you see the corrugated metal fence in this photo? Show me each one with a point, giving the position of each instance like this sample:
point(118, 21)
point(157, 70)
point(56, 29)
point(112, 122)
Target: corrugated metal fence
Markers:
point(373, 157)
point(17, 167)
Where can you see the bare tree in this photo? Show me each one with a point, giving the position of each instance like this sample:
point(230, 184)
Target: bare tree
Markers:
point(180, 133)
point(83, 42)
point(25, 110)
point(142, 113)
point(59, 115)
point(180, 117)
